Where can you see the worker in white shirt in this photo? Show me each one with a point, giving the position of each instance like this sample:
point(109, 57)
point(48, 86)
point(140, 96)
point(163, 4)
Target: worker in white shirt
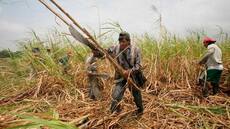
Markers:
point(213, 62)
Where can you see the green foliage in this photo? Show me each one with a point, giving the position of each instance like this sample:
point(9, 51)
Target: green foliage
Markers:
point(7, 53)
point(218, 110)
point(4, 54)
point(170, 57)
point(37, 123)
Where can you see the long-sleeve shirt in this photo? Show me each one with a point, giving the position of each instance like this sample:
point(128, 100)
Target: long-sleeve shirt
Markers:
point(91, 65)
point(92, 68)
point(93, 80)
point(129, 59)
point(213, 57)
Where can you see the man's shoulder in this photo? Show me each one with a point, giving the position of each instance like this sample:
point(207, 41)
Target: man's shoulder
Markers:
point(90, 58)
point(212, 46)
point(113, 48)
point(135, 48)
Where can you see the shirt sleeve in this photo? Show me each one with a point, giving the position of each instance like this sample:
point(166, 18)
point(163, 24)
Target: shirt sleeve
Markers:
point(112, 51)
point(91, 64)
point(207, 55)
point(137, 60)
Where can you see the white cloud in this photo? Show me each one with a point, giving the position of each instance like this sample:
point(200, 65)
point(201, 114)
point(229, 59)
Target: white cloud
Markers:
point(197, 14)
point(11, 27)
point(9, 33)
point(135, 16)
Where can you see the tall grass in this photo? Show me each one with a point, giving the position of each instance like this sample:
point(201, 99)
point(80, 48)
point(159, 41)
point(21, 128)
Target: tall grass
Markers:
point(172, 62)
point(173, 58)
point(175, 54)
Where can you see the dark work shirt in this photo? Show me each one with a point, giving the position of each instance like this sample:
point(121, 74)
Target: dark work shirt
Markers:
point(129, 59)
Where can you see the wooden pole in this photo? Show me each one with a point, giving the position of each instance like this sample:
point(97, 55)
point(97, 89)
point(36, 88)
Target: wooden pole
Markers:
point(89, 36)
point(95, 43)
point(74, 21)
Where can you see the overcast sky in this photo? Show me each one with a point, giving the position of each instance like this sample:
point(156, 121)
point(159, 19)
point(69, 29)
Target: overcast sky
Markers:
point(135, 16)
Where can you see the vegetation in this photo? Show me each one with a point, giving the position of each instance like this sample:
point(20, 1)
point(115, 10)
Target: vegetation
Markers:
point(7, 53)
point(37, 93)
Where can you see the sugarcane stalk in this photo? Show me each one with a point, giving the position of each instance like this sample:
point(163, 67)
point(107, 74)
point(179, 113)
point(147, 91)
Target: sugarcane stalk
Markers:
point(75, 22)
point(89, 36)
point(94, 42)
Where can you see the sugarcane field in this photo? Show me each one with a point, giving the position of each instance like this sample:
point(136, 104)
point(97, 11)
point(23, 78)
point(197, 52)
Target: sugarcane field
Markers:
point(97, 64)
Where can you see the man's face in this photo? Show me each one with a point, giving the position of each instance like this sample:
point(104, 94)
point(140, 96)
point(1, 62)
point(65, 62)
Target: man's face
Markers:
point(205, 44)
point(96, 53)
point(123, 43)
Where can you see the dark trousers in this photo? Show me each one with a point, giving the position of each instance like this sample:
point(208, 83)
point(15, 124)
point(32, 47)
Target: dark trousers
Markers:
point(213, 76)
point(118, 93)
point(94, 88)
point(215, 89)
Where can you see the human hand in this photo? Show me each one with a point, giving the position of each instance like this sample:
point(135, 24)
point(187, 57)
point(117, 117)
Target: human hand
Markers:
point(127, 73)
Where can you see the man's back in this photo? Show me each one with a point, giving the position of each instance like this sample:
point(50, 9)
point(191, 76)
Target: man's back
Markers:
point(215, 59)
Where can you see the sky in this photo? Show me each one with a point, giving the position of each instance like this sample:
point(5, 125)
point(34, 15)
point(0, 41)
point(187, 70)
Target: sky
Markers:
point(19, 17)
